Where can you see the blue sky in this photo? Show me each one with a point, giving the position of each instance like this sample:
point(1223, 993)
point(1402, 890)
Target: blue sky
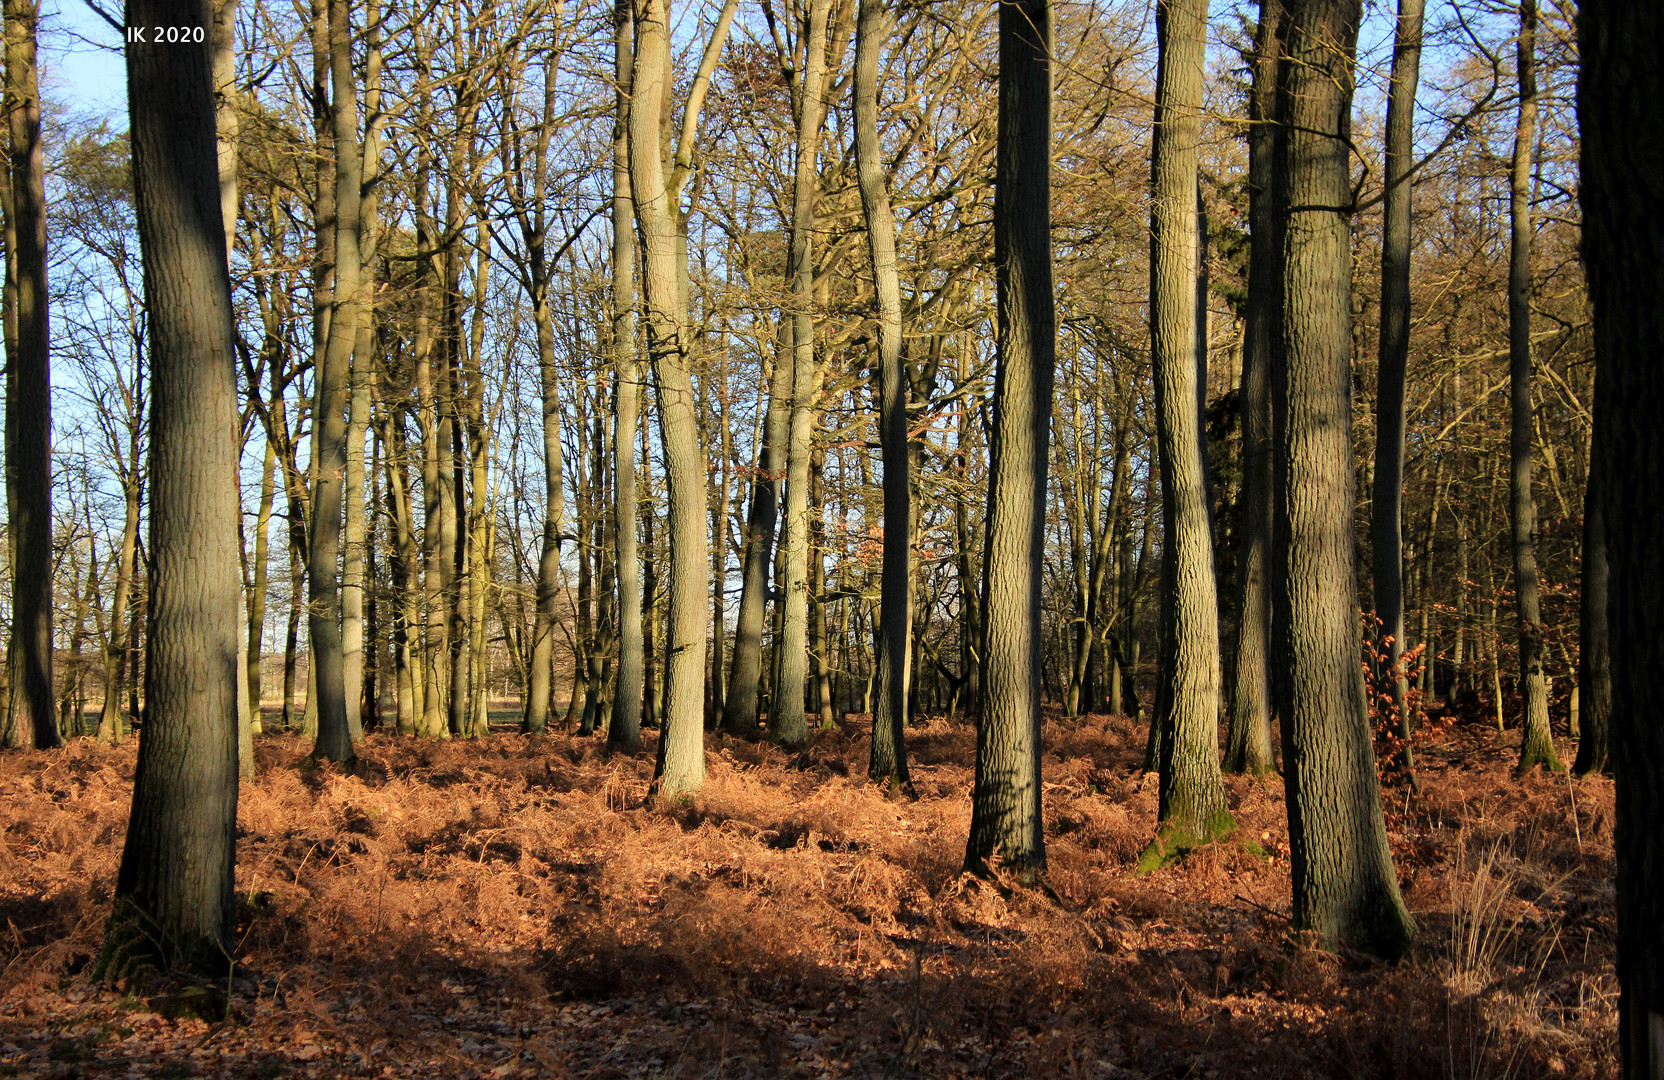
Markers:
point(81, 60)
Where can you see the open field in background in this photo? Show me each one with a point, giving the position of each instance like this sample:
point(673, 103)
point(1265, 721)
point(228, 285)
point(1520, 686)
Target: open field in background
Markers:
point(511, 907)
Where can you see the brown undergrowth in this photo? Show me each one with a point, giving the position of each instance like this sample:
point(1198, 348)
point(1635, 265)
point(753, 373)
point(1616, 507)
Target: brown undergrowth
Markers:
point(514, 907)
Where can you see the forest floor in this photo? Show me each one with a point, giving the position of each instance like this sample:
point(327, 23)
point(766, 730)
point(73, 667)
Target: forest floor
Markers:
point(515, 908)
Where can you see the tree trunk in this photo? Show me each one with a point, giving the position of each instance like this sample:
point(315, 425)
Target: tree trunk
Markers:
point(330, 411)
point(1594, 663)
point(624, 732)
point(1005, 804)
point(1386, 519)
point(29, 718)
point(174, 892)
point(788, 724)
point(1623, 249)
point(1537, 742)
point(1192, 809)
point(1248, 749)
point(887, 760)
point(1344, 884)
point(112, 725)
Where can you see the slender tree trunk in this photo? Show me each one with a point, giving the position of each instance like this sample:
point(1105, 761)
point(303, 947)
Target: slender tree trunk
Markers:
point(1192, 808)
point(624, 732)
point(788, 724)
point(174, 892)
point(111, 724)
point(1005, 803)
point(1537, 742)
point(259, 578)
point(681, 758)
point(1345, 887)
point(1386, 520)
point(1620, 83)
point(887, 760)
point(30, 718)
point(1249, 747)
point(1594, 663)
point(330, 411)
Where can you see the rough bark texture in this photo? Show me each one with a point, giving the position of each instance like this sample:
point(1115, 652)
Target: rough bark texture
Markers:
point(1387, 518)
point(1248, 749)
point(174, 891)
point(30, 718)
point(888, 758)
point(1192, 809)
point(1345, 888)
point(1005, 804)
point(1537, 742)
point(1620, 85)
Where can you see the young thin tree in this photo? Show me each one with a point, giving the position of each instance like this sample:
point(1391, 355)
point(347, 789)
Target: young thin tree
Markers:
point(1386, 522)
point(1345, 888)
point(1619, 86)
point(30, 716)
point(1192, 806)
point(1594, 647)
point(175, 889)
point(1248, 746)
point(788, 724)
point(887, 761)
point(1005, 803)
point(1537, 742)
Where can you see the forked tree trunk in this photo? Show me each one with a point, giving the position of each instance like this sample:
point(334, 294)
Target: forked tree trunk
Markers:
point(1345, 888)
point(1623, 247)
point(174, 892)
point(1537, 742)
point(30, 718)
point(1386, 521)
point(1005, 803)
point(1192, 807)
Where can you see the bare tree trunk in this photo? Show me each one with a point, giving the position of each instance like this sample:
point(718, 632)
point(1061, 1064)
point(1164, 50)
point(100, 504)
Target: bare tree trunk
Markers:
point(174, 892)
point(112, 726)
point(1344, 884)
point(329, 412)
point(1622, 156)
point(624, 732)
point(1192, 809)
point(681, 758)
point(1249, 747)
point(1386, 519)
point(887, 760)
point(1537, 742)
point(787, 723)
point(1005, 804)
point(29, 718)
point(1594, 654)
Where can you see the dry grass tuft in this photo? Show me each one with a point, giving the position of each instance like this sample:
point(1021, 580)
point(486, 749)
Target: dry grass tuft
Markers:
point(514, 907)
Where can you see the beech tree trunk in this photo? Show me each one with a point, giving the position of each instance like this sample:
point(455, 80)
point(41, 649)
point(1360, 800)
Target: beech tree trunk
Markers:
point(624, 730)
point(1594, 654)
point(887, 760)
point(1537, 742)
point(1192, 806)
point(30, 718)
point(1345, 888)
point(1005, 803)
point(175, 891)
point(1620, 83)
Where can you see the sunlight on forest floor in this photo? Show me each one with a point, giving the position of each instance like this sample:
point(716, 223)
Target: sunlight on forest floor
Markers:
point(510, 907)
